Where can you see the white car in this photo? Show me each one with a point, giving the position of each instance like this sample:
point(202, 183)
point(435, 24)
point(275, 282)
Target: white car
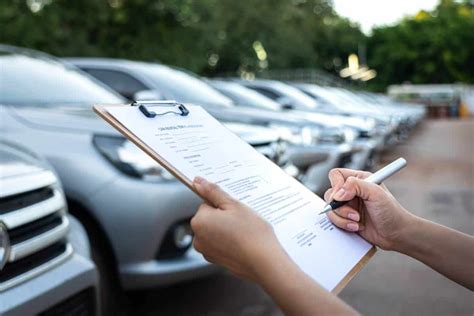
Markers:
point(45, 264)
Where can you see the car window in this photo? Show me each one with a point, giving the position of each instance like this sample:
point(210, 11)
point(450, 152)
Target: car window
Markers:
point(121, 82)
point(247, 97)
point(329, 97)
point(301, 101)
point(184, 87)
point(322, 102)
point(26, 80)
point(266, 92)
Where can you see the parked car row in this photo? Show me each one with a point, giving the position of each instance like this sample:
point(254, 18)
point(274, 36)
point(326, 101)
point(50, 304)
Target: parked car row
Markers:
point(140, 236)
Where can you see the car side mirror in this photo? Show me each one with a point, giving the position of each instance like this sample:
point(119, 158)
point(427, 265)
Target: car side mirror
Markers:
point(285, 103)
point(287, 106)
point(148, 95)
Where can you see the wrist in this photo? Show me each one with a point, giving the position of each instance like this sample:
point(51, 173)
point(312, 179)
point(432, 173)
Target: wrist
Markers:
point(406, 233)
point(269, 264)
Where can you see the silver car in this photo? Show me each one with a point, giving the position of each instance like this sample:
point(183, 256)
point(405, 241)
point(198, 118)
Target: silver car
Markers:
point(360, 132)
point(45, 264)
point(315, 147)
point(136, 213)
point(331, 100)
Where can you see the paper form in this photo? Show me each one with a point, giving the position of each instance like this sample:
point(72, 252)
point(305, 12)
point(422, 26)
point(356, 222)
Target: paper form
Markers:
point(198, 145)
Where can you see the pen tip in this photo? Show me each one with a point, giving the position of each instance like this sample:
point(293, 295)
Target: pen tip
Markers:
point(326, 209)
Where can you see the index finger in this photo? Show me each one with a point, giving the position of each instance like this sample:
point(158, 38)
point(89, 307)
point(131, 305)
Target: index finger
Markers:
point(338, 176)
point(212, 193)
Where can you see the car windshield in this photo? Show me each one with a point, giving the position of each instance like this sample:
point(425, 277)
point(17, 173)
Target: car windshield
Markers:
point(246, 97)
point(304, 101)
point(353, 100)
point(27, 80)
point(330, 97)
point(184, 87)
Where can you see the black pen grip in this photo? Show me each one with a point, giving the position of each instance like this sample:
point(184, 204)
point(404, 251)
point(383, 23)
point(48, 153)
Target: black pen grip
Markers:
point(337, 204)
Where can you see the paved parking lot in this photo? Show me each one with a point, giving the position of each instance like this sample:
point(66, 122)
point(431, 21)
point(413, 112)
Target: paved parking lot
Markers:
point(438, 184)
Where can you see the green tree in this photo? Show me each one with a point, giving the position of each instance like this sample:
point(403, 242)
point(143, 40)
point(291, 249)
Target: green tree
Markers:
point(205, 36)
point(173, 31)
point(295, 34)
point(431, 47)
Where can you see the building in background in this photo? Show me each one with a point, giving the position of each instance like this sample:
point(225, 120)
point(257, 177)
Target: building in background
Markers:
point(441, 100)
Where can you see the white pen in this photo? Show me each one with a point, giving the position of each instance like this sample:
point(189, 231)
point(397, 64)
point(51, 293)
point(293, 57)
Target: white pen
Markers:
point(376, 178)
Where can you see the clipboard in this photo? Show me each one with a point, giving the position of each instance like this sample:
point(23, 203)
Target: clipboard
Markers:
point(175, 108)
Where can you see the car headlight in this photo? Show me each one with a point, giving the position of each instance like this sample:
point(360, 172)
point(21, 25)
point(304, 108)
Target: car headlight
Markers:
point(297, 135)
point(332, 135)
point(130, 159)
point(309, 136)
point(369, 128)
point(350, 135)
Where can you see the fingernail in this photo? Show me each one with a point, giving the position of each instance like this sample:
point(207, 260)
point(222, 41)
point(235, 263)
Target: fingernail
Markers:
point(353, 216)
point(331, 196)
point(339, 194)
point(353, 227)
point(199, 180)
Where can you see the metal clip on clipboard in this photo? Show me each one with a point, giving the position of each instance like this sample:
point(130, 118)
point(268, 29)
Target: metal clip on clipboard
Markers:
point(178, 108)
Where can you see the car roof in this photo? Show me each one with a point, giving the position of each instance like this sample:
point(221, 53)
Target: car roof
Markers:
point(95, 61)
point(116, 63)
point(263, 82)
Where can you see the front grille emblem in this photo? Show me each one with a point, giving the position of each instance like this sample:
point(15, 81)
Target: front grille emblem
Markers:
point(5, 246)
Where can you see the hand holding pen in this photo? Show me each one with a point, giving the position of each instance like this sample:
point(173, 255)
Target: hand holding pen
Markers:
point(373, 212)
point(361, 205)
point(376, 178)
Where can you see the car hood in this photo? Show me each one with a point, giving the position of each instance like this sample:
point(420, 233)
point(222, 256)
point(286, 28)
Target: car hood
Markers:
point(359, 123)
point(15, 161)
point(262, 117)
point(82, 119)
point(70, 118)
point(252, 134)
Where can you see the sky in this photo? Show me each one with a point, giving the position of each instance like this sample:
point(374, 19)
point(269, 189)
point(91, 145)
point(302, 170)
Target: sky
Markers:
point(370, 13)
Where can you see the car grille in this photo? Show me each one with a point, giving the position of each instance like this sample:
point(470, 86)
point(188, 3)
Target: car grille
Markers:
point(37, 227)
point(25, 199)
point(32, 261)
point(81, 304)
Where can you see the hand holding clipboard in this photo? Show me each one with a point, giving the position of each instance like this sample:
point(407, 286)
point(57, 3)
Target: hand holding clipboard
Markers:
point(189, 142)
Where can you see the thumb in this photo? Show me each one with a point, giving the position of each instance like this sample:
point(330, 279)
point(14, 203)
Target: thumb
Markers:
point(212, 193)
point(355, 187)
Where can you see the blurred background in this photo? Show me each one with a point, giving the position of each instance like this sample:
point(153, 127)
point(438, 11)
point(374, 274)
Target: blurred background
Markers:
point(417, 42)
point(90, 225)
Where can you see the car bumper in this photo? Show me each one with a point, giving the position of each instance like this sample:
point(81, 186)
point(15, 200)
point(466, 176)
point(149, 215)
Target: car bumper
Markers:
point(56, 286)
point(304, 157)
point(366, 157)
point(73, 280)
point(316, 177)
point(163, 272)
point(136, 221)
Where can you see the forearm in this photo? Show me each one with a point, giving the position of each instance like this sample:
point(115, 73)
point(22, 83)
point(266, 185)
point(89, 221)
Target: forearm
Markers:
point(296, 293)
point(447, 251)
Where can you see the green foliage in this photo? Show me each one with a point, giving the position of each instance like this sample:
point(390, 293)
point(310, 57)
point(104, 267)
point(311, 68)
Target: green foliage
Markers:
point(217, 36)
point(432, 47)
point(186, 33)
